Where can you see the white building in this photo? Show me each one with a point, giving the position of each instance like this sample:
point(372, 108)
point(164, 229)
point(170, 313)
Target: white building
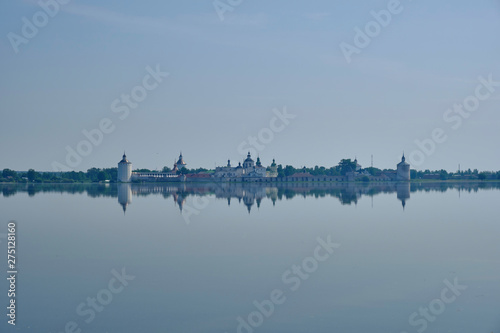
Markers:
point(124, 170)
point(248, 163)
point(228, 171)
point(249, 169)
point(403, 170)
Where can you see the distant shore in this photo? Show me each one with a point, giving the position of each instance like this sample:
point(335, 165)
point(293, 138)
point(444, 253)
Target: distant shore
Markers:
point(263, 183)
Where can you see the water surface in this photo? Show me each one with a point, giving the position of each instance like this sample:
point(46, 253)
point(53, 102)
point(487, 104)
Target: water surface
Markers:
point(201, 254)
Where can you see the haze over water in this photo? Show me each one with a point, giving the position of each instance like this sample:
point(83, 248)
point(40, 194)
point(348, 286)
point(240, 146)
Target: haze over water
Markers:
point(200, 269)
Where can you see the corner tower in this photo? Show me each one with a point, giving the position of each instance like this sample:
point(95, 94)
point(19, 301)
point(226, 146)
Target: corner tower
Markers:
point(124, 170)
point(403, 170)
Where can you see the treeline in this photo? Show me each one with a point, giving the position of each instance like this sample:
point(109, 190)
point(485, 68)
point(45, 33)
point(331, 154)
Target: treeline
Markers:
point(92, 175)
point(445, 175)
point(345, 166)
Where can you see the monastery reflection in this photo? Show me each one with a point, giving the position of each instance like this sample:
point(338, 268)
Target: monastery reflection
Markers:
point(251, 195)
point(248, 194)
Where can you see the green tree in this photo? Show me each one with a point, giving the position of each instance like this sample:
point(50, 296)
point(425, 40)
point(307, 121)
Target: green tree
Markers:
point(92, 174)
point(318, 171)
point(281, 172)
point(333, 171)
point(101, 176)
point(32, 175)
point(198, 170)
point(142, 170)
point(346, 165)
point(374, 171)
point(183, 171)
point(111, 173)
point(289, 170)
point(6, 173)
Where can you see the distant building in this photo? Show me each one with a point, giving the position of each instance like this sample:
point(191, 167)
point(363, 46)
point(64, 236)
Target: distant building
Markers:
point(248, 163)
point(249, 170)
point(180, 163)
point(124, 170)
point(154, 176)
point(273, 169)
point(432, 176)
point(228, 171)
point(357, 165)
point(403, 170)
point(392, 174)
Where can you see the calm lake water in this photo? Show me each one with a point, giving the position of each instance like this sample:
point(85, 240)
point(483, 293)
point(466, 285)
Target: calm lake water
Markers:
point(386, 258)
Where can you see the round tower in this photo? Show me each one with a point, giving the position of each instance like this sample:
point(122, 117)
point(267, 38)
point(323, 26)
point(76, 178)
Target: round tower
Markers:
point(403, 170)
point(124, 170)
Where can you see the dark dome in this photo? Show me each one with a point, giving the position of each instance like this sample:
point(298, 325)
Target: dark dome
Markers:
point(249, 158)
point(124, 160)
point(181, 160)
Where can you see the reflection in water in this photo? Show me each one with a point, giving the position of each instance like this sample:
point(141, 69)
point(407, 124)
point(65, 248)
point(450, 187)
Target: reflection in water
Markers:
point(403, 192)
point(250, 194)
point(204, 276)
point(124, 195)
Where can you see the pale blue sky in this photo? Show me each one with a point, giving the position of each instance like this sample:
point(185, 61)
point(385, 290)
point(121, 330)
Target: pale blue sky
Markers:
point(226, 77)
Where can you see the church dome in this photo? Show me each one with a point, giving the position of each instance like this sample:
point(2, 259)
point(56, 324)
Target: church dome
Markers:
point(124, 160)
point(403, 161)
point(181, 160)
point(249, 158)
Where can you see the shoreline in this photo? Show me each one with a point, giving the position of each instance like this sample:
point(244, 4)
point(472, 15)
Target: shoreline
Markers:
point(412, 181)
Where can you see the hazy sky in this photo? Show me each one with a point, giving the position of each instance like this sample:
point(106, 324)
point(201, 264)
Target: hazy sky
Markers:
point(229, 78)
